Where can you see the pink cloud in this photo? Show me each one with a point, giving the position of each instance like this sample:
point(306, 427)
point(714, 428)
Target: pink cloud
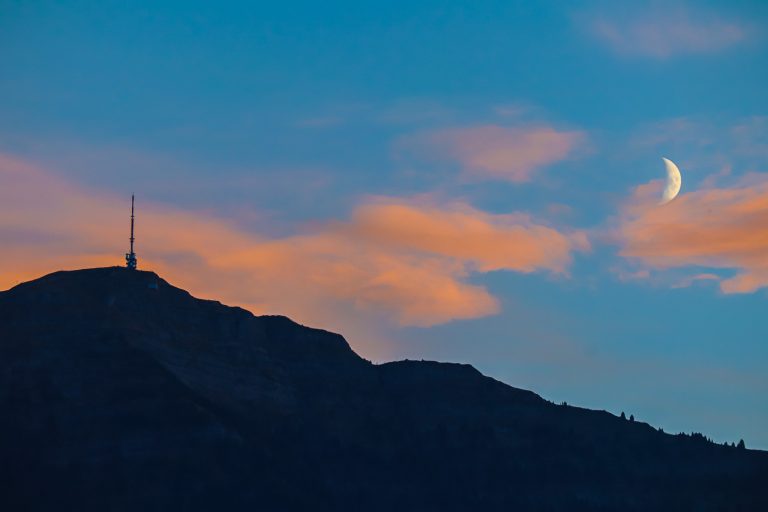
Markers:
point(406, 261)
point(484, 241)
point(505, 153)
point(719, 228)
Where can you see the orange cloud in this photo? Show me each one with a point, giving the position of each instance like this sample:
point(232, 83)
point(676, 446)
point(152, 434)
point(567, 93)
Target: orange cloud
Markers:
point(407, 261)
point(669, 32)
point(511, 154)
point(486, 242)
point(724, 228)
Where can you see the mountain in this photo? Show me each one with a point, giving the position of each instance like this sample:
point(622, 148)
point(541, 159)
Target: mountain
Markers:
point(121, 392)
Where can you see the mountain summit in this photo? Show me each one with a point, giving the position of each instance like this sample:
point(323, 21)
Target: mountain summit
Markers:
point(120, 392)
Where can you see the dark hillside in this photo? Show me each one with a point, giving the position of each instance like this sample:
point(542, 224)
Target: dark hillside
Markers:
point(119, 391)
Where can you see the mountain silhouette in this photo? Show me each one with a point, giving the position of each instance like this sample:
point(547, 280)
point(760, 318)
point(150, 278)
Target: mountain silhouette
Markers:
point(120, 392)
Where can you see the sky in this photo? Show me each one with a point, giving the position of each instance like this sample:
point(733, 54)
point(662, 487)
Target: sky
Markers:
point(474, 182)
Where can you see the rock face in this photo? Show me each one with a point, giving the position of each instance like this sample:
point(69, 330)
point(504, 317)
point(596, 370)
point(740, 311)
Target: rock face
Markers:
point(120, 392)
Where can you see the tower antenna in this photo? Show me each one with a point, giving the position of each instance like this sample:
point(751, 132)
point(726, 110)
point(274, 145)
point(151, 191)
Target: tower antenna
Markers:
point(130, 258)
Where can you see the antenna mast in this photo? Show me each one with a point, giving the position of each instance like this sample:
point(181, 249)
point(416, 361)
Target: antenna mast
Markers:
point(130, 258)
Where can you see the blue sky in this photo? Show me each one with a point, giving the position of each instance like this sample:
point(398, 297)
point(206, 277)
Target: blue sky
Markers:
point(329, 134)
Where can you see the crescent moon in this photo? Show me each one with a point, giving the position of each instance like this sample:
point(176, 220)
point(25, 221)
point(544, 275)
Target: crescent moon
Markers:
point(674, 181)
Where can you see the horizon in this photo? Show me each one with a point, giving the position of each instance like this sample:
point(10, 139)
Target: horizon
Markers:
point(622, 414)
point(475, 183)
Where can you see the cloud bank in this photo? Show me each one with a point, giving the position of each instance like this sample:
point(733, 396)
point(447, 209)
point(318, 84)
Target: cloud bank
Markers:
point(409, 260)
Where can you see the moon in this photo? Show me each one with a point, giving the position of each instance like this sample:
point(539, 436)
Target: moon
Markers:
point(674, 181)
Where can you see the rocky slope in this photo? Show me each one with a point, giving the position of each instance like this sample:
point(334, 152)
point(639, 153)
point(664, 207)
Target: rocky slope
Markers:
point(119, 391)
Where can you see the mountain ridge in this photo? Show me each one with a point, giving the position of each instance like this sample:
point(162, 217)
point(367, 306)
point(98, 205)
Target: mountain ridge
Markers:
point(127, 392)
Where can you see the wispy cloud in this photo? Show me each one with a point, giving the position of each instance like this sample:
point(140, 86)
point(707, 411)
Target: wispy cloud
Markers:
point(409, 260)
point(747, 136)
point(663, 32)
point(690, 280)
point(499, 152)
point(709, 152)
